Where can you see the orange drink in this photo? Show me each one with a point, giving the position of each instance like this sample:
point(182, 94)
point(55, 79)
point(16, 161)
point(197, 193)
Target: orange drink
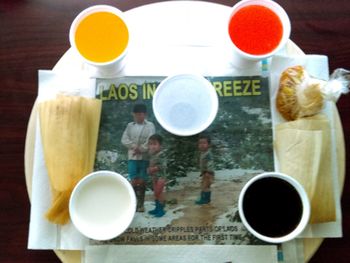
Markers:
point(257, 30)
point(100, 35)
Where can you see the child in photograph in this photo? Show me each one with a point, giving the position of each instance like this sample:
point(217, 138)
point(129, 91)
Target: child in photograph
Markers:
point(135, 139)
point(206, 167)
point(157, 170)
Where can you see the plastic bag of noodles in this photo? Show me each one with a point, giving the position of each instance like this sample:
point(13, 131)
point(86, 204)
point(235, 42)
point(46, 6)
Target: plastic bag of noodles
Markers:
point(300, 95)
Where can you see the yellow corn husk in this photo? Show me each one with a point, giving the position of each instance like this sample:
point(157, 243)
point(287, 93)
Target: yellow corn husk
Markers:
point(69, 130)
point(303, 150)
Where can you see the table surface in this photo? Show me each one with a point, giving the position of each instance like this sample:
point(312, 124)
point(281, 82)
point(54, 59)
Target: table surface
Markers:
point(34, 35)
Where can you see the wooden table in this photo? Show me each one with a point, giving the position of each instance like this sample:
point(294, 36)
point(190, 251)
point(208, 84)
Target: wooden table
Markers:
point(34, 35)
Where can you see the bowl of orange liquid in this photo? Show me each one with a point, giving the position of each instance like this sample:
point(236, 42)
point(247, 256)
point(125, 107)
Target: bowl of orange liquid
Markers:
point(258, 29)
point(100, 36)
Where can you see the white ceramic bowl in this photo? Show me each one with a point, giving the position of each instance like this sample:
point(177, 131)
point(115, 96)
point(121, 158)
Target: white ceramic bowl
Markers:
point(185, 104)
point(102, 205)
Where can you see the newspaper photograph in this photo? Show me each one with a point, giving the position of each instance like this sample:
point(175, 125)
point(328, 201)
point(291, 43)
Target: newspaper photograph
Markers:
point(187, 188)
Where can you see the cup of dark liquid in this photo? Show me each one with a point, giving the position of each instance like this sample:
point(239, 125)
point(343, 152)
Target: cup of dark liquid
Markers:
point(274, 207)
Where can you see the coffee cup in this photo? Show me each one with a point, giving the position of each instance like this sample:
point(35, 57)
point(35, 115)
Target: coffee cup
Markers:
point(274, 207)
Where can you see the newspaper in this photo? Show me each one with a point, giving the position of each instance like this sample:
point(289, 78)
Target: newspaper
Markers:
point(241, 147)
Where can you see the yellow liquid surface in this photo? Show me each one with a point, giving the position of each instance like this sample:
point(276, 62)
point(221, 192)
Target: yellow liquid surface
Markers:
point(101, 37)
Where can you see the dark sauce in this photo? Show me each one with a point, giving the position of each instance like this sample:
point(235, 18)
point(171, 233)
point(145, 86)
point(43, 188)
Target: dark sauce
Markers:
point(272, 207)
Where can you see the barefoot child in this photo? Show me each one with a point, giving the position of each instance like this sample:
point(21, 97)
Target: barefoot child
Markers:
point(157, 170)
point(206, 169)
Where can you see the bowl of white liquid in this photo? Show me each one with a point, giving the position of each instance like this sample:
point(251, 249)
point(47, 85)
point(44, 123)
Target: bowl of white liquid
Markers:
point(102, 205)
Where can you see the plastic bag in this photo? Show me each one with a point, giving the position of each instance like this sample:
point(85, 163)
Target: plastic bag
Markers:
point(300, 95)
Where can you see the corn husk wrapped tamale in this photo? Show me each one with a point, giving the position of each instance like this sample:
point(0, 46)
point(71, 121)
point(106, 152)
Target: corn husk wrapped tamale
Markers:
point(303, 149)
point(69, 130)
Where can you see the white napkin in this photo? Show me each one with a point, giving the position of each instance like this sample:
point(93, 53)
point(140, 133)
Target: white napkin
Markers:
point(181, 253)
point(42, 233)
point(317, 67)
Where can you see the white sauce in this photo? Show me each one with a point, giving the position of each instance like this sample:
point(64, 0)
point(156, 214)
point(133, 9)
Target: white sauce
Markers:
point(102, 203)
